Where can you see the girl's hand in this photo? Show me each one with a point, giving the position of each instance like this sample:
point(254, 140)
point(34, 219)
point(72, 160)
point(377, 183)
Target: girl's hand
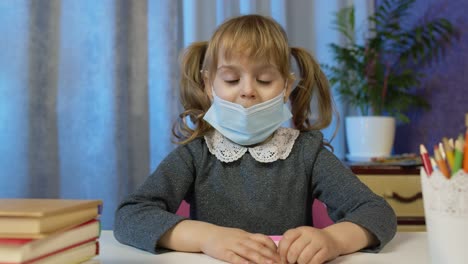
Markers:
point(307, 245)
point(237, 246)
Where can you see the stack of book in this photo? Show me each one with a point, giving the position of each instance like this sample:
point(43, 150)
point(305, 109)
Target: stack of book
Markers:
point(42, 231)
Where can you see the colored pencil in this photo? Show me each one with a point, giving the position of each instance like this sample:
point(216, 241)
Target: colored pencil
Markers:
point(457, 165)
point(441, 162)
point(465, 158)
point(448, 151)
point(425, 159)
point(433, 163)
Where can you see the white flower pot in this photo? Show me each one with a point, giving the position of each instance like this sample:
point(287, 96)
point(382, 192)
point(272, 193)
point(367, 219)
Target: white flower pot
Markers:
point(369, 136)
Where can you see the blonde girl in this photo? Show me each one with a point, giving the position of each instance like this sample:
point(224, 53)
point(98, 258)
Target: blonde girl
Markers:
point(245, 176)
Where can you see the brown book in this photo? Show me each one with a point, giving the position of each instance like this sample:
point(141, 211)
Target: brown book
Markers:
point(34, 218)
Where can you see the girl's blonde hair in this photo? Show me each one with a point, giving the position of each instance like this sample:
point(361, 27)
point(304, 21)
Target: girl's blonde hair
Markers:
point(259, 38)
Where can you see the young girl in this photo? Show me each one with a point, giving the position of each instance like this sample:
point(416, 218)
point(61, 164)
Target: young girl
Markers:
point(245, 177)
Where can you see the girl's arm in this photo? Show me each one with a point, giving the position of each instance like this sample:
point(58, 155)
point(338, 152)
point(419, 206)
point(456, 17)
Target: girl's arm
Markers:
point(228, 244)
point(363, 220)
point(350, 200)
point(350, 237)
point(144, 216)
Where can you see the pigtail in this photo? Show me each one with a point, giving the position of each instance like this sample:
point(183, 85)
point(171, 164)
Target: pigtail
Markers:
point(313, 82)
point(192, 94)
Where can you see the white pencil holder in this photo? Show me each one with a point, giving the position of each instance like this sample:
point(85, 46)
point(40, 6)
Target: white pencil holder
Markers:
point(446, 213)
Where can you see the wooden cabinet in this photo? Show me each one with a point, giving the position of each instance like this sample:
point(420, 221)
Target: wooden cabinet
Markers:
point(401, 188)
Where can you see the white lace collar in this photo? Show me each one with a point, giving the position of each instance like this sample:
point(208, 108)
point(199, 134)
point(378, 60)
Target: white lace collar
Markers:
point(278, 147)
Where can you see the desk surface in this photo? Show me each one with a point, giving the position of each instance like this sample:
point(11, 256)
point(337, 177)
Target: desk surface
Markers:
point(408, 247)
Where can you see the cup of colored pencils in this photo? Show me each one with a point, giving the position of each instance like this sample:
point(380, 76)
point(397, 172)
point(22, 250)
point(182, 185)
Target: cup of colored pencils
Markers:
point(444, 182)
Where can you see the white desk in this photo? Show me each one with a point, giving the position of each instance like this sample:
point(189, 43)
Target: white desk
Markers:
point(404, 248)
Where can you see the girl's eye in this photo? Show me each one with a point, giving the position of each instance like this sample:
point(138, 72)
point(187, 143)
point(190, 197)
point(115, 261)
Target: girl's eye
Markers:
point(263, 82)
point(231, 81)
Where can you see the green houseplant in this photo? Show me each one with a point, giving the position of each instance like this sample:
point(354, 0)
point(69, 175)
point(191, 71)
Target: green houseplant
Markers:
point(378, 77)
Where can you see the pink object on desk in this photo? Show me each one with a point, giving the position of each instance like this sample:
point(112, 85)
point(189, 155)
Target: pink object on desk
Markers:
point(320, 215)
point(276, 239)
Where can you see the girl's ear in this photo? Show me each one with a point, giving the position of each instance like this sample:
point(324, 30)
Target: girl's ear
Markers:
point(289, 86)
point(207, 85)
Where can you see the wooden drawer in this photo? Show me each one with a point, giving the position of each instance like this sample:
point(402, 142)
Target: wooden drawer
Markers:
point(411, 228)
point(402, 192)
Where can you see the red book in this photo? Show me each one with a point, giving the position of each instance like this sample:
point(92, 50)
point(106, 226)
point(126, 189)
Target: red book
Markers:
point(77, 254)
point(76, 243)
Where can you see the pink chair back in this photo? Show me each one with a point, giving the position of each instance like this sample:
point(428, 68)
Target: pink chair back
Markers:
point(319, 209)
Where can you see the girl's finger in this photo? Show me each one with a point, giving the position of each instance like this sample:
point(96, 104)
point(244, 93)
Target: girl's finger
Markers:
point(265, 240)
point(320, 257)
point(249, 251)
point(258, 245)
point(296, 248)
point(234, 258)
point(288, 238)
point(308, 253)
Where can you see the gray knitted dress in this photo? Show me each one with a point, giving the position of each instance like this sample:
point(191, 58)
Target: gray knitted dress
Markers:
point(259, 197)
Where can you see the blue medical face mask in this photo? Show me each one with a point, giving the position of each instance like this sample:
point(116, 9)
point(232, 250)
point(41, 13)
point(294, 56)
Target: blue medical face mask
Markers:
point(247, 126)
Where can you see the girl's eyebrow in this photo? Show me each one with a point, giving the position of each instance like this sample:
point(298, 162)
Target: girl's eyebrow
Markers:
point(227, 67)
point(259, 67)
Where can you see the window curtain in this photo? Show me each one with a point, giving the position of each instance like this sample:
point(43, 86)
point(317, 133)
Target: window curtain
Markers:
point(88, 89)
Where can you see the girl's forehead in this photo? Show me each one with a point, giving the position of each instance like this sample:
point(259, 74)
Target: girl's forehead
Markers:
point(243, 59)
